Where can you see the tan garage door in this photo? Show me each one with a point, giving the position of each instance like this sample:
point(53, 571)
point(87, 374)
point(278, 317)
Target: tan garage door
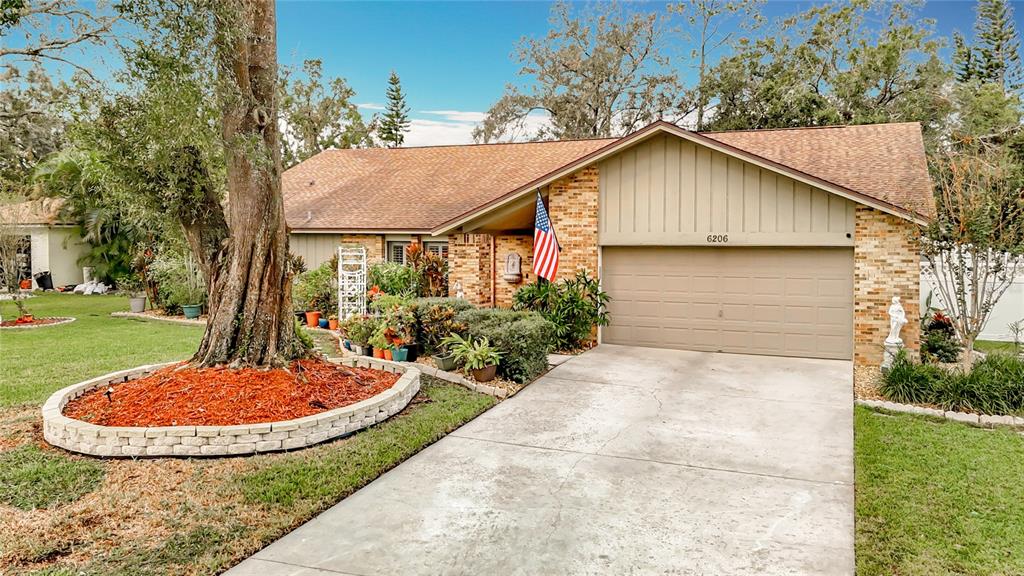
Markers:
point(778, 301)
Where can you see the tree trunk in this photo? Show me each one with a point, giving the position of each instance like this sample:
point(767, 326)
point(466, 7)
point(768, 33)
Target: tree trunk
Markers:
point(967, 358)
point(250, 316)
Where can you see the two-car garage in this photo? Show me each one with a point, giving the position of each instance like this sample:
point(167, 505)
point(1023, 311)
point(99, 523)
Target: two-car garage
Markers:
point(701, 250)
point(784, 301)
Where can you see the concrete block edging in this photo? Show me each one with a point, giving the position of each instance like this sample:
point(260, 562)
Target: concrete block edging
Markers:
point(186, 441)
point(982, 420)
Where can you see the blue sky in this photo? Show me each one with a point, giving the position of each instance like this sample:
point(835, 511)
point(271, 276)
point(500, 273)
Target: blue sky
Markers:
point(455, 58)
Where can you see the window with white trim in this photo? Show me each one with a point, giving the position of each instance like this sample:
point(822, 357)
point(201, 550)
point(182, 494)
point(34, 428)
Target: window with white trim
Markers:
point(437, 248)
point(396, 251)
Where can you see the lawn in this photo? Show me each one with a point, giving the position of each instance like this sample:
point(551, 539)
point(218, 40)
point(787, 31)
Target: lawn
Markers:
point(937, 497)
point(65, 514)
point(994, 346)
point(37, 361)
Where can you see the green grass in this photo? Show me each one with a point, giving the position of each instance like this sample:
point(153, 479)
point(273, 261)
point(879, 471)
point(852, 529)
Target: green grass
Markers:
point(37, 362)
point(988, 346)
point(31, 478)
point(301, 482)
point(937, 497)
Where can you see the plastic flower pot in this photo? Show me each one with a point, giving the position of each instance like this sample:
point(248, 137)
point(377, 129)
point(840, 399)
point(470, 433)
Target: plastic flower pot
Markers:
point(347, 344)
point(484, 374)
point(400, 354)
point(332, 323)
point(323, 323)
point(192, 311)
point(446, 363)
point(367, 350)
point(378, 353)
point(387, 354)
point(137, 304)
point(413, 350)
point(312, 319)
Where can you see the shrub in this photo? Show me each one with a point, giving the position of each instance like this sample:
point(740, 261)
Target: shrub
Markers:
point(399, 325)
point(394, 278)
point(180, 281)
point(318, 288)
point(384, 302)
point(523, 339)
point(939, 342)
point(575, 306)
point(474, 354)
point(359, 328)
point(431, 268)
point(994, 385)
point(436, 320)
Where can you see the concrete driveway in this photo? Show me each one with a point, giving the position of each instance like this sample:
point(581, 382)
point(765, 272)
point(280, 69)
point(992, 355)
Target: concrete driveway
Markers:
point(621, 461)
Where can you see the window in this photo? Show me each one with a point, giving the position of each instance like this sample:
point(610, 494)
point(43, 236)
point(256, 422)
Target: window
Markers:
point(437, 248)
point(396, 252)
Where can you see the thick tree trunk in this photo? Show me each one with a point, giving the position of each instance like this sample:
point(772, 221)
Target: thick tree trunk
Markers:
point(250, 317)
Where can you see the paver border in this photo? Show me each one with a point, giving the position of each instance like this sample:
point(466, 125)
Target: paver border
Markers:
point(191, 441)
point(981, 420)
point(60, 320)
point(450, 377)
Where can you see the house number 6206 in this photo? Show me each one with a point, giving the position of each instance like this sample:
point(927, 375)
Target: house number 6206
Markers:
point(717, 238)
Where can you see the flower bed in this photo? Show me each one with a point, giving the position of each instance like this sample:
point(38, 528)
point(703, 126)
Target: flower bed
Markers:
point(35, 322)
point(217, 440)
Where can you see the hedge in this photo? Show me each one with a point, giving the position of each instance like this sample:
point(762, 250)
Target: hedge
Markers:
point(994, 385)
point(436, 319)
point(523, 338)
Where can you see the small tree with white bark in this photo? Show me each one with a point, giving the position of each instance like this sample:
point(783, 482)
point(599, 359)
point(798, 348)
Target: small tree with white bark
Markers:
point(975, 246)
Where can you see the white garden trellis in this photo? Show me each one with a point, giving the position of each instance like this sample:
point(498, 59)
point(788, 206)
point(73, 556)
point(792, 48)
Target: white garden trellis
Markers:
point(351, 281)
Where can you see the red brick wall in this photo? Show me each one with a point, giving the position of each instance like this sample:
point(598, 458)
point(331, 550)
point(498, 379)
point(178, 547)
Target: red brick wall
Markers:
point(469, 266)
point(504, 245)
point(374, 244)
point(572, 206)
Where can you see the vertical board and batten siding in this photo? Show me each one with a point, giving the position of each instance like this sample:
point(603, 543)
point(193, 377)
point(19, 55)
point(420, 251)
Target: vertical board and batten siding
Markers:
point(315, 249)
point(669, 191)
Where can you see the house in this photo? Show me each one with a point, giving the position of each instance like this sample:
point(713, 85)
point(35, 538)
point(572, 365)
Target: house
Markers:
point(781, 242)
point(50, 244)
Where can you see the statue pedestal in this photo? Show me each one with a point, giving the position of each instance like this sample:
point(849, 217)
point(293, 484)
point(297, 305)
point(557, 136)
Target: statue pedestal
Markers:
point(889, 355)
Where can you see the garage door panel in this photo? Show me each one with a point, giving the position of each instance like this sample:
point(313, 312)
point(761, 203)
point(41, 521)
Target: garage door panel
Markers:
point(780, 301)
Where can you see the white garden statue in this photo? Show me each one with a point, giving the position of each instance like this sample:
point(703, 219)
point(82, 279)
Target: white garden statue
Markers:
point(897, 320)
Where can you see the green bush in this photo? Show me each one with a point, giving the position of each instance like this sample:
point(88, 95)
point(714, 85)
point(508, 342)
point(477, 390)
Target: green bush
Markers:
point(436, 320)
point(994, 385)
point(939, 342)
point(317, 289)
point(359, 328)
point(179, 280)
point(384, 302)
point(524, 339)
point(395, 279)
point(575, 306)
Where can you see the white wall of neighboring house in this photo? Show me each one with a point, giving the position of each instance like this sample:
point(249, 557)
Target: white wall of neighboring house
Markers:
point(57, 249)
point(1009, 308)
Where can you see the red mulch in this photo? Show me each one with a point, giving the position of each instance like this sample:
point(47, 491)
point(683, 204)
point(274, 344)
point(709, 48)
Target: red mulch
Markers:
point(176, 396)
point(34, 322)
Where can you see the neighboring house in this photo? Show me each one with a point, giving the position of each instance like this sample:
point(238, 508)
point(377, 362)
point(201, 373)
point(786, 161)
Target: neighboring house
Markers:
point(50, 245)
point(782, 242)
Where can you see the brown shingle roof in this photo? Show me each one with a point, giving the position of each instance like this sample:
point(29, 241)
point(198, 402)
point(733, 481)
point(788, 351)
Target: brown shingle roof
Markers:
point(884, 161)
point(44, 211)
point(419, 189)
point(414, 189)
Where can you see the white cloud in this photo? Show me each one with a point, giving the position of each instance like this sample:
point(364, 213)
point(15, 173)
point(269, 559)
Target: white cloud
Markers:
point(424, 132)
point(457, 115)
point(371, 106)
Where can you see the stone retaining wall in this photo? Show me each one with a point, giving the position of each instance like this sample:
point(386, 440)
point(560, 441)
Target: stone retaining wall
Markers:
point(117, 441)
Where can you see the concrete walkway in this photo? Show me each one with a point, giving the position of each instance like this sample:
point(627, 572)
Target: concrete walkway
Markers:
point(620, 461)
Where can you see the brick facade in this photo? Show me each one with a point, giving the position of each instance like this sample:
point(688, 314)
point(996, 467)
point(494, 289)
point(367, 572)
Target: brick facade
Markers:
point(886, 263)
point(469, 267)
point(374, 244)
point(572, 206)
point(504, 245)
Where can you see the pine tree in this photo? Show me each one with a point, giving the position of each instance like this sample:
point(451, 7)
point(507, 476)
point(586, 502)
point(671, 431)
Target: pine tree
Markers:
point(997, 58)
point(395, 122)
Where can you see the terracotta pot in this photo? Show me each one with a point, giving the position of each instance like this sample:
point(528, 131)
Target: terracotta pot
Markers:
point(484, 374)
point(387, 354)
point(378, 353)
point(312, 319)
point(333, 323)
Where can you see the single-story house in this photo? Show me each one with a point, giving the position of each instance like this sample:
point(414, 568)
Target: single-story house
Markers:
point(782, 242)
point(50, 244)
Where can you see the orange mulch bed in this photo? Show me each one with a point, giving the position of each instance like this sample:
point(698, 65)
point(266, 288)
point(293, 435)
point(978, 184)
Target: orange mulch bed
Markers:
point(181, 396)
point(34, 322)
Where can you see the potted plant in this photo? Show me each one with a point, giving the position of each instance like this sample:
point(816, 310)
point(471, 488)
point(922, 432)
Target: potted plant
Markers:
point(332, 322)
point(313, 318)
point(478, 356)
point(323, 323)
point(379, 343)
point(444, 359)
point(190, 289)
point(399, 326)
point(358, 330)
point(131, 285)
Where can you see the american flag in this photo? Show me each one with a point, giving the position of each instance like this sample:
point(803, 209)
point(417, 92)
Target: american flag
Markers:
point(545, 245)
